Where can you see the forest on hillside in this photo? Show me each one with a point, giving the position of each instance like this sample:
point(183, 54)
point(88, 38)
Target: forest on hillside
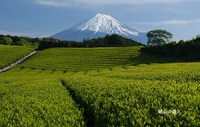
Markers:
point(19, 41)
point(107, 41)
point(186, 50)
point(43, 43)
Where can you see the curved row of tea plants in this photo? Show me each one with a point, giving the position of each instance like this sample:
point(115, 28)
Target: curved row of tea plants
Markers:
point(35, 101)
point(85, 59)
point(150, 95)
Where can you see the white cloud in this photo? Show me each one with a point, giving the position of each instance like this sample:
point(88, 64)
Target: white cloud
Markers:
point(195, 21)
point(175, 22)
point(53, 2)
point(127, 1)
point(27, 33)
point(103, 2)
point(180, 22)
point(169, 22)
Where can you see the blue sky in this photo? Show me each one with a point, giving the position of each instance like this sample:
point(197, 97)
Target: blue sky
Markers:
point(42, 18)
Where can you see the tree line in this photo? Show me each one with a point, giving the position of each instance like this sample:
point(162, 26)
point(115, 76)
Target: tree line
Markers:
point(159, 44)
point(107, 41)
point(19, 41)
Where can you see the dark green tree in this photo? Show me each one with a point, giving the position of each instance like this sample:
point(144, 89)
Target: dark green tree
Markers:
point(158, 37)
point(23, 42)
point(181, 42)
point(7, 40)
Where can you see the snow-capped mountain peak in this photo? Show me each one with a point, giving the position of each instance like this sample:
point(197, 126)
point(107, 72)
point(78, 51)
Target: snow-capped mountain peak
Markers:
point(106, 24)
point(99, 26)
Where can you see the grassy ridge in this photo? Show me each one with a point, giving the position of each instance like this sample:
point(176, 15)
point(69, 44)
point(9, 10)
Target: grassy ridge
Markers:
point(115, 87)
point(85, 59)
point(10, 54)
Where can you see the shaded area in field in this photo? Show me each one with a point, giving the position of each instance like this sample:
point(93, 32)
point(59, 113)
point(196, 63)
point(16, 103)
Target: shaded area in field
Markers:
point(88, 113)
point(144, 58)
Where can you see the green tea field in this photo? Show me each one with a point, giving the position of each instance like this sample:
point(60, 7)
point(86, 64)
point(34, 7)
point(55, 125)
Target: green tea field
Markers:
point(100, 87)
point(10, 54)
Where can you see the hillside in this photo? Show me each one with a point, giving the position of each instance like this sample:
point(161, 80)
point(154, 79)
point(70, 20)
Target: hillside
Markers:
point(111, 86)
point(84, 59)
point(10, 54)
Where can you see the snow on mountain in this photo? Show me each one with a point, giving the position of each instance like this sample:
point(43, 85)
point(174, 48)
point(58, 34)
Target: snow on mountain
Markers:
point(99, 26)
point(105, 24)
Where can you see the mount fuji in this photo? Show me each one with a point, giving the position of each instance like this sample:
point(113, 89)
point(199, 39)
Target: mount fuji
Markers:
point(100, 26)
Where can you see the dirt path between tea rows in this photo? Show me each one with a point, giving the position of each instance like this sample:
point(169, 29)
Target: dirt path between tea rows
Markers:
point(18, 61)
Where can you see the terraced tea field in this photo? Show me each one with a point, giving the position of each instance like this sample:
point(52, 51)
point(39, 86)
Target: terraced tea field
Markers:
point(10, 54)
point(119, 87)
point(85, 59)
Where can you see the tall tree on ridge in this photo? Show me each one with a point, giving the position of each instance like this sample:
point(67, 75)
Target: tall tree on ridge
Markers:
point(158, 37)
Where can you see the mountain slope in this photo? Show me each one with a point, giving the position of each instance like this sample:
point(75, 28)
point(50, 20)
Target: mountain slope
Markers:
point(99, 26)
